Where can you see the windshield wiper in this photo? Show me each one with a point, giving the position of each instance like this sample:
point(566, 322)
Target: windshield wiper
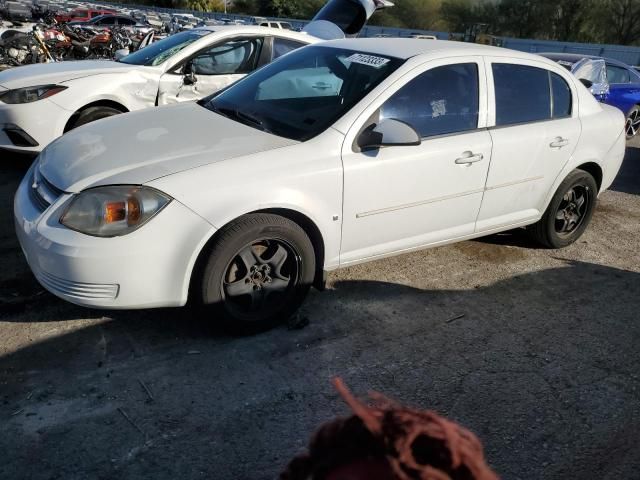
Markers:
point(241, 117)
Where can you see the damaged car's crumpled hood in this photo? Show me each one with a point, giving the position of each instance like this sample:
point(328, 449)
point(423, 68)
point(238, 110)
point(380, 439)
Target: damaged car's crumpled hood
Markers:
point(58, 73)
point(139, 147)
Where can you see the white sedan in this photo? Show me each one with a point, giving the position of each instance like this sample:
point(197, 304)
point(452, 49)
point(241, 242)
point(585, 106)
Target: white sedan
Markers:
point(38, 103)
point(338, 153)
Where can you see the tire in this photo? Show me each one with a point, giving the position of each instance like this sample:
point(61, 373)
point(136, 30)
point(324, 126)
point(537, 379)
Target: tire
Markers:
point(569, 212)
point(246, 282)
point(92, 114)
point(632, 124)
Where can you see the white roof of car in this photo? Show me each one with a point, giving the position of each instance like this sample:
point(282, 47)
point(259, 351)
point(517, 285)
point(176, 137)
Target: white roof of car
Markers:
point(410, 47)
point(255, 29)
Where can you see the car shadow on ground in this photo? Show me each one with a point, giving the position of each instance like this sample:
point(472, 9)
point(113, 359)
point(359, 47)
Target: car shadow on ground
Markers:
point(542, 366)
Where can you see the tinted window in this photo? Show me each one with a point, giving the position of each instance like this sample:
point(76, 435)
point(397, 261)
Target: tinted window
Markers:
point(282, 46)
point(617, 74)
point(440, 101)
point(236, 56)
point(126, 21)
point(561, 96)
point(522, 94)
point(305, 92)
point(107, 21)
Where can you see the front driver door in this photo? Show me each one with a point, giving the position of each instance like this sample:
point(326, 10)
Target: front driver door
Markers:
point(403, 197)
point(210, 70)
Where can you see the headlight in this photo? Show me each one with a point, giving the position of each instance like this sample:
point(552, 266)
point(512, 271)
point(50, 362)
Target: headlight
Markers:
point(30, 94)
point(113, 211)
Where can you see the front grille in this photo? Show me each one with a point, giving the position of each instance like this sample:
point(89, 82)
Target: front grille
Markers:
point(78, 290)
point(42, 193)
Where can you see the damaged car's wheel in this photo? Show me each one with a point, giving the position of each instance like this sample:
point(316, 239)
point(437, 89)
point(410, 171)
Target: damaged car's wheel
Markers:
point(258, 272)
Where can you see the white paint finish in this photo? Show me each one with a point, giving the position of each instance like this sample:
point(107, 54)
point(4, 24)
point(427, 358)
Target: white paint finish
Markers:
point(172, 88)
point(409, 196)
point(98, 153)
point(304, 177)
point(146, 264)
point(398, 200)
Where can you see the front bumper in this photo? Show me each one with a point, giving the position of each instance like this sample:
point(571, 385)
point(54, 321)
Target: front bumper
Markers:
point(42, 121)
point(150, 267)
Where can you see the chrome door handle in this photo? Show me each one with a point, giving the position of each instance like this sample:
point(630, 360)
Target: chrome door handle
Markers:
point(559, 142)
point(468, 158)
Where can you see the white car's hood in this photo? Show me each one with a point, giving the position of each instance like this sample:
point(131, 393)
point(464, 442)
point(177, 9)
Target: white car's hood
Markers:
point(60, 72)
point(139, 147)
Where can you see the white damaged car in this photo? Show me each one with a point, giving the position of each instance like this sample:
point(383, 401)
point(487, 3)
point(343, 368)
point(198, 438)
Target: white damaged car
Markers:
point(337, 153)
point(38, 103)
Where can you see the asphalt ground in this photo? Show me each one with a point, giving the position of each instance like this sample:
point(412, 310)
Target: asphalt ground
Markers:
point(534, 350)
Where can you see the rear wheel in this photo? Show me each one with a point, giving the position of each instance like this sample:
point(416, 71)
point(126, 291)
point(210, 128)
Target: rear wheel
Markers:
point(258, 272)
point(569, 212)
point(633, 123)
point(92, 114)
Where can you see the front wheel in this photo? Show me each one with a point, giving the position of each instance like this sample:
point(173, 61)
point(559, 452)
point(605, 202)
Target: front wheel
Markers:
point(569, 212)
point(258, 272)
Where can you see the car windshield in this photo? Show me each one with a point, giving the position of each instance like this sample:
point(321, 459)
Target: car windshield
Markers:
point(158, 52)
point(305, 92)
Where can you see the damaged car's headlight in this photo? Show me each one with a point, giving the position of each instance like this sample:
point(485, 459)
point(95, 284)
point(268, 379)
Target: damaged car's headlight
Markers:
point(30, 94)
point(113, 211)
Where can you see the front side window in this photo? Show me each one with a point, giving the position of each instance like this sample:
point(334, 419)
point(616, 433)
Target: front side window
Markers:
point(282, 46)
point(441, 101)
point(158, 52)
point(305, 92)
point(522, 94)
point(617, 74)
point(236, 56)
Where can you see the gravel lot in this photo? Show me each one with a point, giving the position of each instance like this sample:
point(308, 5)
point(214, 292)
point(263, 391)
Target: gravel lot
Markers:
point(543, 365)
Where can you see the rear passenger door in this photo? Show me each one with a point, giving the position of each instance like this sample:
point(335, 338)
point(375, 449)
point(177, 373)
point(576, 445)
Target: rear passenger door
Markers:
point(535, 128)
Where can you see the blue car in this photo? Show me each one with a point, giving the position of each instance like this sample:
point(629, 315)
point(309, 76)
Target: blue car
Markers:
point(611, 81)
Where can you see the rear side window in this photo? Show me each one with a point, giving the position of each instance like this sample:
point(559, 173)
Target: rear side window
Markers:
point(522, 94)
point(617, 74)
point(561, 94)
point(440, 101)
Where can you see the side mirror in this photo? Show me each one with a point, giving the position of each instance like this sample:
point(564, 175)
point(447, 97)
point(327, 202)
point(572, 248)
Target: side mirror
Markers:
point(388, 133)
point(586, 83)
point(189, 77)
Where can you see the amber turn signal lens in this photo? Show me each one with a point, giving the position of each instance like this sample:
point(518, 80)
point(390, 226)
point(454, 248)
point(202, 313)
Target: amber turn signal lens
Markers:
point(133, 211)
point(115, 212)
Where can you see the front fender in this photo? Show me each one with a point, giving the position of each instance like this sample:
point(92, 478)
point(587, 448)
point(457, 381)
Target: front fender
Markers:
point(304, 177)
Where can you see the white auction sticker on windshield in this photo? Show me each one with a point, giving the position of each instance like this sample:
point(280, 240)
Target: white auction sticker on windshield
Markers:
point(370, 60)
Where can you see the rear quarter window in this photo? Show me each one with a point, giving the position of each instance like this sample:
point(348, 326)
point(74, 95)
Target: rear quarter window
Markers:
point(561, 94)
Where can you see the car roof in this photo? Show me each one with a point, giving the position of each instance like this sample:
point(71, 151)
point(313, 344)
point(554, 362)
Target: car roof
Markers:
point(256, 29)
point(576, 57)
point(410, 47)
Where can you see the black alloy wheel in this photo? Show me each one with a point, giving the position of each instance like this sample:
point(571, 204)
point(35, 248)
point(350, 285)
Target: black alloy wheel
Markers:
point(261, 278)
point(569, 212)
point(256, 273)
point(572, 209)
